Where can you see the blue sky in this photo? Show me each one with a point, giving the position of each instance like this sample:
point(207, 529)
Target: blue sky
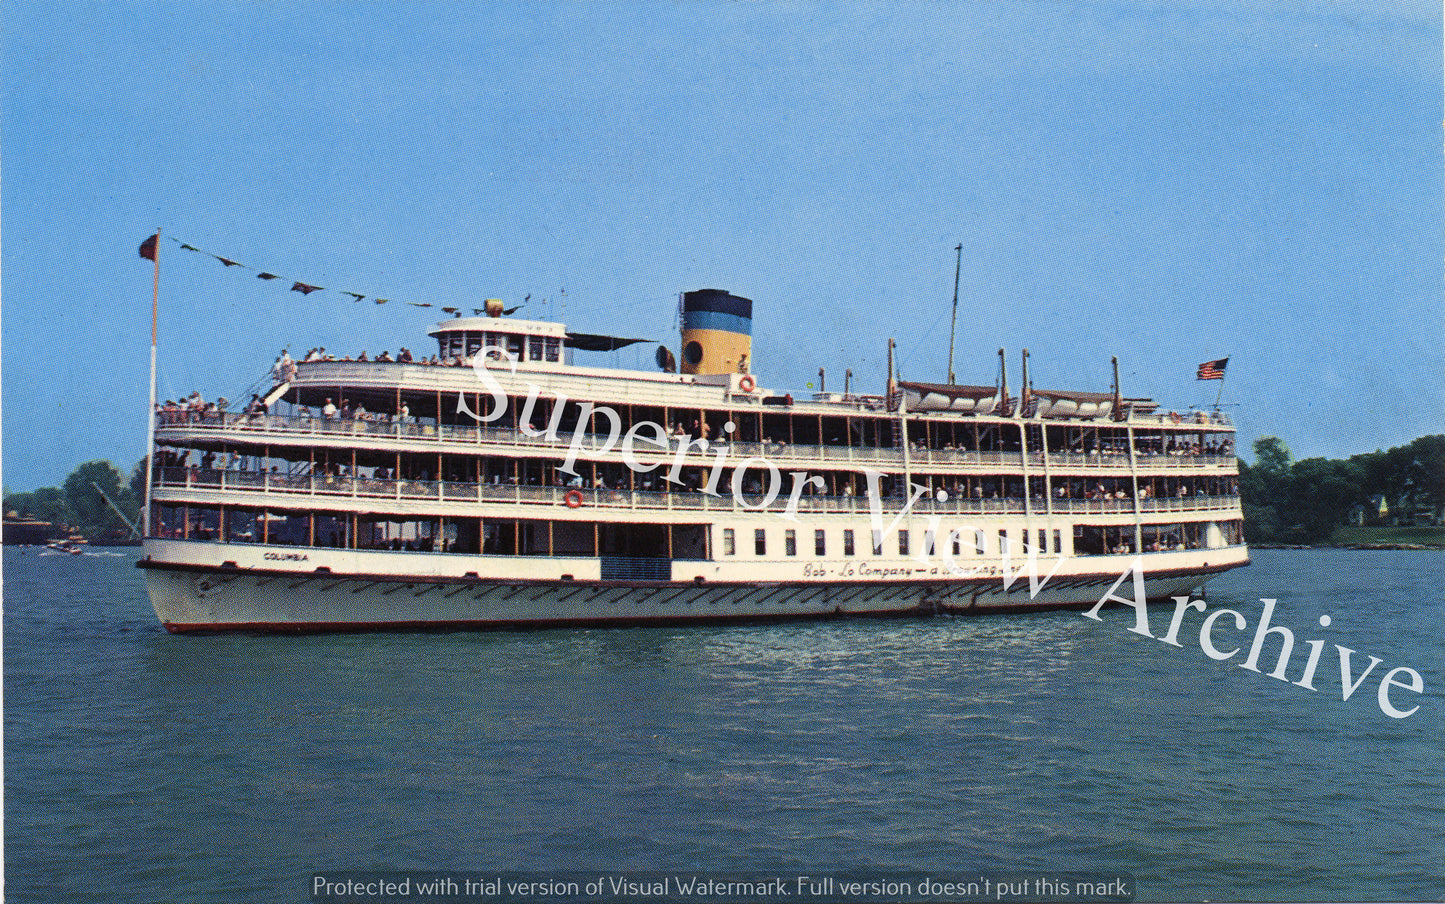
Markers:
point(1169, 182)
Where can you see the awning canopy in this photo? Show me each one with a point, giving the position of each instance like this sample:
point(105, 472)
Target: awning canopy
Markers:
point(590, 342)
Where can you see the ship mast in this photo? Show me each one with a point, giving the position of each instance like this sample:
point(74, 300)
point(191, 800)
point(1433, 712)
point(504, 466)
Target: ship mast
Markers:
point(953, 325)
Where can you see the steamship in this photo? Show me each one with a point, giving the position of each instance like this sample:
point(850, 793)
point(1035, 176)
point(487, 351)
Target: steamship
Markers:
point(501, 483)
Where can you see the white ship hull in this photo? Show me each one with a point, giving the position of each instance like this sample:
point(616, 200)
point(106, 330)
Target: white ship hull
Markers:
point(204, 598)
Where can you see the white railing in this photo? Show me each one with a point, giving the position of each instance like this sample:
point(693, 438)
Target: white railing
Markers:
point(282, 487)
point(248, 426)
point(1120, 460)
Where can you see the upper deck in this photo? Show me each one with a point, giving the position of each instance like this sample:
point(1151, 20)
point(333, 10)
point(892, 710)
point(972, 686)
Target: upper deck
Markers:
point(380, 382)
point(448, 403)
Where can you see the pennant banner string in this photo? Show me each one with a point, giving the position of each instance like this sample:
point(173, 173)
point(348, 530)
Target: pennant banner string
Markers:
point(302, 287)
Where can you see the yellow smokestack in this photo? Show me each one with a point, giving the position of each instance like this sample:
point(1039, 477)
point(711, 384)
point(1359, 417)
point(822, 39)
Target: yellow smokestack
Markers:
point(717, 333)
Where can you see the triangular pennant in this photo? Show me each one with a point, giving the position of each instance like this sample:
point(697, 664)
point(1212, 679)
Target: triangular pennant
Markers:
point(419, 304)
point(227, 261)
point(450, 310)
point(265, 276)
point(185, 247)
point(304, 289)
point(148, 248)
point(381, 301)
point(356, 295)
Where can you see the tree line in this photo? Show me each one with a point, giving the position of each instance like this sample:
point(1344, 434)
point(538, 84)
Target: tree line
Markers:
point(76, 506)
point(1288, 501)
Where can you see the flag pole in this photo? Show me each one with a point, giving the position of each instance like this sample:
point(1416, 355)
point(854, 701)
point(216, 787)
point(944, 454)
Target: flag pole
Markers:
point(151, 416)
point(1221, 387)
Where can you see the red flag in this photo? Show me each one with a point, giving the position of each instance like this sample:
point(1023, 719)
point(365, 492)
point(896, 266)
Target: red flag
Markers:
point(148, 248)
point(304, 289)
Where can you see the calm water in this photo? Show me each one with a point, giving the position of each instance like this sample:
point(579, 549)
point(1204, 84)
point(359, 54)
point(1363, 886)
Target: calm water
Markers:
point(145, 767)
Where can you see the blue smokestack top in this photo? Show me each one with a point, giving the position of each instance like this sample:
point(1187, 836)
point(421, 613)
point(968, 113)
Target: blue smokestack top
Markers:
point(714, 309)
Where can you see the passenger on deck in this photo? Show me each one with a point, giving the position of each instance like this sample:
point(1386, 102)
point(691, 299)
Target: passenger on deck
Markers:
point(328, 411)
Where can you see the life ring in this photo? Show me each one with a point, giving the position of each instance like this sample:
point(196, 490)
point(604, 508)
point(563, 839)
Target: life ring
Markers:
point(573, 499)
point(1174, 416)
point(747, 383)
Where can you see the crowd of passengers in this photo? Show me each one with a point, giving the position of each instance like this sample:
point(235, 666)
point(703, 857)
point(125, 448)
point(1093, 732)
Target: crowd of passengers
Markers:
point(696, 479)
point(285, 367)
point(190, 410)
point(1142, 446)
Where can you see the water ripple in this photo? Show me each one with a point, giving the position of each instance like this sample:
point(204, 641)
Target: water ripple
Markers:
point(147, 767)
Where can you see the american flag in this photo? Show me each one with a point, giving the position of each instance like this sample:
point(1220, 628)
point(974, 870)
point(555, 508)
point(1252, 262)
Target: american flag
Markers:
point(1213, 370)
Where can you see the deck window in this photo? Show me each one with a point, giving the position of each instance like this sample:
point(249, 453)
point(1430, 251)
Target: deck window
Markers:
point(903, 542)
point(820, 542)
point(243, 526)
point(760, 542)
point(848, 548)
point(730, 542)
point(790, 542)
point(332, 531)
